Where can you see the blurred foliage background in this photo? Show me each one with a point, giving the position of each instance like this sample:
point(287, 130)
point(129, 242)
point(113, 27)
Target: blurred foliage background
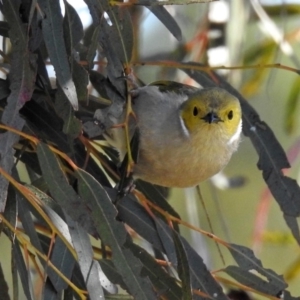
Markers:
point(260, 39)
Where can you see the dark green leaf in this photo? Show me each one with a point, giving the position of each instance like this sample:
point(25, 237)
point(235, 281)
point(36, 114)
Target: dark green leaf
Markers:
point(201, 279)
point(164, 16)
point(158, 195)
point(97, 9)
point(49, 291)
point(61, 190)
point(73, 29)
point(166, 238)
point(114, 235)
point(247, 261)
point(118, 36)
point(293, 225)
point(69, 293)
point(23, 68)
point(183, 268)
point(94, 43)
point(253, 281)
point(53, 36)
point(36, 36)
point(285, 190)
point(72, 126)
point(11, 209)
point(116, 40)
point(28, 224)
point(90, 268)
point(45, 199)
point(135, 215)
point(163, 282)
point(15, 277)
point(112, 273)
point(22, 270)
point(81, 81)
point(64, 261)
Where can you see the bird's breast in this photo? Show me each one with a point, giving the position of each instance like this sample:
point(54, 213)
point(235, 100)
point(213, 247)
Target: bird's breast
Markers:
point(182, 162)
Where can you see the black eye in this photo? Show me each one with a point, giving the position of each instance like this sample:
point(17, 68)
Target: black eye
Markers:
point(195, 111)
point(230, 115)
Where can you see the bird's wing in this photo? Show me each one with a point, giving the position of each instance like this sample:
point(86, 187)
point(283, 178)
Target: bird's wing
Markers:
point(176, 87)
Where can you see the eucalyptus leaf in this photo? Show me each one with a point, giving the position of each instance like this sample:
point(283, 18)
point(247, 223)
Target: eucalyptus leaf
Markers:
point(164, 16)
point(23, 71)
point(113, 234)
point(22, 270)
point(183, 268)
point(61, 189)
point(52, 26)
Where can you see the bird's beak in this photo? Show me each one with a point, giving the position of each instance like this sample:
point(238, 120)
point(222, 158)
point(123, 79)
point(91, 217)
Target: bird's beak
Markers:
point(212, 117)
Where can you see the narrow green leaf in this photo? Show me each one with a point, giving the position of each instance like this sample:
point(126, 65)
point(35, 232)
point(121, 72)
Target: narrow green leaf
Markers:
point(292, 222)
point(114, 235)
point(81, 81)
point(183, 268)
point(61, 190)
point(164, 16)
point(119, 33)
point(64, 261)
point(73, 29)
point(49, 291)
point(23, 71)
point(251, 280)
point(97, 9)
point(285, 190)
point(134, 214)
point(15, 277)
point(163, 282)
point(11, 210)
point(28, 224)
point(116, 40)
point(90, 269)
point(22, 270)
point(166, 238)
point(92, 48)
point(200, 277)
point(53, 36)
point(69, 293)
point(72, 126)
point(112, 273)
point(247, 261)
point(158, 195)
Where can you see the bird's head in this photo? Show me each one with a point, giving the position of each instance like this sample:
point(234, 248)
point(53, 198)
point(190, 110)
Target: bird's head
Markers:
point(213, 110)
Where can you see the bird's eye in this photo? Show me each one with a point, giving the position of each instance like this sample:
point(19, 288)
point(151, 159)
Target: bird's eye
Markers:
point(230, 115)
point(195, 111)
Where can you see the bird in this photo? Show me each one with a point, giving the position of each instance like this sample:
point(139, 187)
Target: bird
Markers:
point(186, 134)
